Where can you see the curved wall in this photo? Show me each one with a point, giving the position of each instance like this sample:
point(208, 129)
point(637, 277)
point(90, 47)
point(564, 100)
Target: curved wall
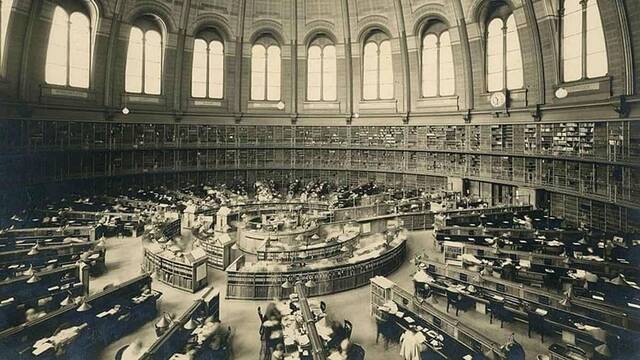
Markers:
point(52, 134)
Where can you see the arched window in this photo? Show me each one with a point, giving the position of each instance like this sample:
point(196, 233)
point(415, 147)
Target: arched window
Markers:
point(207, 75)
point(377, 75)
point(265, 69)
point(438, 77)
point(584, 54)
point(144, 57)
point(68, 60)
point(504, 59)
point(5, 12)
point(321, 70)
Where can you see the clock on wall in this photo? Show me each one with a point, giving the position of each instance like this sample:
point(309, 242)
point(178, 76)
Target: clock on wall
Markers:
point(498, 99)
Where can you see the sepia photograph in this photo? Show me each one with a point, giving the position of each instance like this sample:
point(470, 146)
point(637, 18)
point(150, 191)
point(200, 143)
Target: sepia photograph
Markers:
point(319, 179)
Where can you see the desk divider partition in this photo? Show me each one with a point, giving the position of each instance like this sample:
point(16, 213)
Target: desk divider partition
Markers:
point(175, 336)
point(384, 290)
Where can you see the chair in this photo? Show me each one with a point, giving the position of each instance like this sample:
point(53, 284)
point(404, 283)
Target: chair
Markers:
point(384, 328)
point(536, 323)
point(323, 306)
point(453, 299)
point(228, 344)
point(348, 327)
point(120, 352)
point(356, 352)
point(498, 311)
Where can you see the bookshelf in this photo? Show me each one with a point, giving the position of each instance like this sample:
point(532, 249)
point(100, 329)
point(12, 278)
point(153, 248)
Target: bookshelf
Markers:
point(474, 137)
point(388, 152)
point(218, 249)
point(182, 271)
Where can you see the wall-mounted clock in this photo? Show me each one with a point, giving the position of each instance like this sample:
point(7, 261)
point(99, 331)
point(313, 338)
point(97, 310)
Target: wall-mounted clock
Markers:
point(498, 99)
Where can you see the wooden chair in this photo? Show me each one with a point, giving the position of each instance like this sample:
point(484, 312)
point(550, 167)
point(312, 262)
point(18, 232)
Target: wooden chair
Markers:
point(348, 327)
point(453, 299)
point(498, 311)
point(120, 352)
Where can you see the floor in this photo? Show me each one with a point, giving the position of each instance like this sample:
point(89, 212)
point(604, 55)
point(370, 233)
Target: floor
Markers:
point(124, 256)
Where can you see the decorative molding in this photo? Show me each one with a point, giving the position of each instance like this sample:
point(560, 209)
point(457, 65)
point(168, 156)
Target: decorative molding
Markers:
point(621, 106)
point(259, 104)
point(536, 113)
point(379, 105)
point(404, 53)
point(66, 92)
point(321, 105)
point(346, 29)
point(144, 99)
point(537, 47)
point(206, 102)
point(629, 83)
point(36, 6)
point(440, 103)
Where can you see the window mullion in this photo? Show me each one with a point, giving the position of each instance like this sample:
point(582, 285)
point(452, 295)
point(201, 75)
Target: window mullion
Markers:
point(321, 74)
point(143, 90)
point(438, 93)
point(378, 73)
point(266, 74)
point(207, 72)
point(504, 55)
point(91, 53)
point(584, 39)
point(68, 50)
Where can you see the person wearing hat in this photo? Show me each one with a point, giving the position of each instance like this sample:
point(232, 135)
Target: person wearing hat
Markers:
point(351, 351)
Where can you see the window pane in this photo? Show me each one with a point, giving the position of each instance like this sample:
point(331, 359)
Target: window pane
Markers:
point(596, 49)
point(216, 70)
point(56, 66)
point(430, 65)
point(152, 62)
point(447, 76)
point(386, 71)
point(495, 56)
point(329, 73)
point(514, 57)
point(133, 81)
point(370, 71)
point(572, 40)
point(5, 11)
point(199, 69)
point(258, 75)
point(80, 56)
point(273, 73)
point(314, 71)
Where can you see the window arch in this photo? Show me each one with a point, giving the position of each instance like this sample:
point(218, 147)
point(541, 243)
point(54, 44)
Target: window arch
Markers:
point(321, 70)
point(504, 58)
point(438, 78)
point(265, 69)
point(144, 57)
point(377, 77)
point(5, 13)
point(68, 61)
point(207, 71)
point(584, 53)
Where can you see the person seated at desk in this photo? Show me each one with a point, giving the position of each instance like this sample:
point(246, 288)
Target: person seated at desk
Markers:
point(278, 353)
point(213, 332)
point(513, 349)
point(32, 314)
point(63, 336)
point(349, 351)
point(271, 335)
